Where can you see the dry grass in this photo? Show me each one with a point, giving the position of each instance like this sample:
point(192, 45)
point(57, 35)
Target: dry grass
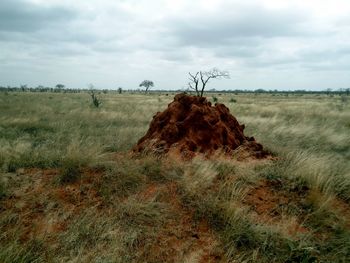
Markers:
point(71, 192)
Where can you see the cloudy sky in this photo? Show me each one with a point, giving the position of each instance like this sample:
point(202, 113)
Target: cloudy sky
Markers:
point(270, 44)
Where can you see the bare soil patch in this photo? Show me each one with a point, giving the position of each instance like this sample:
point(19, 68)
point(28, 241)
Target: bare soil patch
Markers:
point(269, 203)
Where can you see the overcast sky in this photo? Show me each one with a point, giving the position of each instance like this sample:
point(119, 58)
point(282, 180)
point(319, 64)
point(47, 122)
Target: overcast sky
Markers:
point(270, 44)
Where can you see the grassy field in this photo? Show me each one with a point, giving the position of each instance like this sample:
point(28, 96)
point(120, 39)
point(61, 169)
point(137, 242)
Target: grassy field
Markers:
point(70, 191)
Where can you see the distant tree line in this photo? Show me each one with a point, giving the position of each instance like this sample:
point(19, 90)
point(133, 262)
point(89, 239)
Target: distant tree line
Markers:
point(57, 89)
point(60, 88)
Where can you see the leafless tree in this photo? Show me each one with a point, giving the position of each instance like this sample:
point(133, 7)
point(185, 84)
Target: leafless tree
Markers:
point(204, 77)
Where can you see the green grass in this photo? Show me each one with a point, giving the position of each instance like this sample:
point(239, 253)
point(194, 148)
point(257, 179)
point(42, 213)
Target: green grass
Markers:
point(70, 190)
point(121, 179)
point(14, 252)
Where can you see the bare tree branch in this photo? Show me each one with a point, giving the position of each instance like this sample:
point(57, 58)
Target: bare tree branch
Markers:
point(195, 77)
point(204, 77)
point(212, 74)
point(194, 80)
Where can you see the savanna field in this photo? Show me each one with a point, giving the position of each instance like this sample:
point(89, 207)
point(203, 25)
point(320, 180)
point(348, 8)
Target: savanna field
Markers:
point(72, 191)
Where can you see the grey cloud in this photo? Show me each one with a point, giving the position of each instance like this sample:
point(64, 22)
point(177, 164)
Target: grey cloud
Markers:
point(22, 16)
point(307, 59)
point(43, 30)
point(276, 63)
point(240, 23)
point(326, 59)
point(240, 48)
point(326, 54)
point(177, 56)
point(327, 66)
point(239, 32)
point(111, 47)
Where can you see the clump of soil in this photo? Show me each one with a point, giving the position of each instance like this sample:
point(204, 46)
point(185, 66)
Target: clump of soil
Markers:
point(191, 124)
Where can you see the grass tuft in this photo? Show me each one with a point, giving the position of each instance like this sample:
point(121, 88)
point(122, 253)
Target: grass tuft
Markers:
point(120, 179)
point(3, 192)
point(70, 172)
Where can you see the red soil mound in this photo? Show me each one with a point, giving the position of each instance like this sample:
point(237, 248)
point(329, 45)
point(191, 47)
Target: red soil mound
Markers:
point(191, 124)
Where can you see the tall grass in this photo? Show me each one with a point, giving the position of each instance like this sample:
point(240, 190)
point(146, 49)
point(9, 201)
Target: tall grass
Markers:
point(38, 129)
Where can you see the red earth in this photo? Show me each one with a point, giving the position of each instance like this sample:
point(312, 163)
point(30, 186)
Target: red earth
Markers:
point(191, 124)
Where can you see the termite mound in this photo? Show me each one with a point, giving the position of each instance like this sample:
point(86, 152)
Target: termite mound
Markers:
point(193, 125)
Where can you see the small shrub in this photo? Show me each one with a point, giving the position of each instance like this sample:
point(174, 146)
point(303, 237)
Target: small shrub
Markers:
point(215, 99)
point(95, 100)
point(70, 172)
point(232, 100)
